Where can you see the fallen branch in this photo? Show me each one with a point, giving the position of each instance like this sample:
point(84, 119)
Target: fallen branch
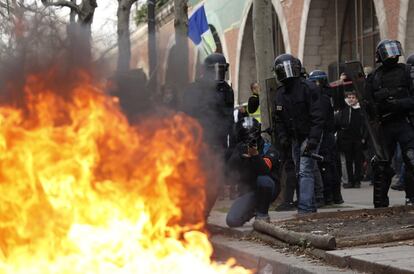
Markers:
point(325, 242)
point(385, 237)
point(268, 239)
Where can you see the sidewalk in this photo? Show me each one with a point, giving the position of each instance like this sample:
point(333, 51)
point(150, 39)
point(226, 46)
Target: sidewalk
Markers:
point(387, 258)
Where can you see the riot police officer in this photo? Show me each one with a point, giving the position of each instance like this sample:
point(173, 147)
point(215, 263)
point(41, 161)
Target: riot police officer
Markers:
point(328, 169)
point(298, 120)
point(210, 100)
point(391, 88)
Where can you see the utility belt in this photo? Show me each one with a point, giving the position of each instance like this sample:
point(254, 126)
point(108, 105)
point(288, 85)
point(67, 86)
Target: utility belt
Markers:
point(391, 117)
point(390, 93)
point(394, 117)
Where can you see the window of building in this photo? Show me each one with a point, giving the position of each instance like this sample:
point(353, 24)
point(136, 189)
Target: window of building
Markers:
point(360, 32)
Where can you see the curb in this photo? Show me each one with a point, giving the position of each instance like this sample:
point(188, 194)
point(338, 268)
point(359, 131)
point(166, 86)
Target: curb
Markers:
point(257, 256)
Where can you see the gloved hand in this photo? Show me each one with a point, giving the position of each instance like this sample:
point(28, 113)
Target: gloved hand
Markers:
point(311, 145)
point(284, 142)
point(389, 105)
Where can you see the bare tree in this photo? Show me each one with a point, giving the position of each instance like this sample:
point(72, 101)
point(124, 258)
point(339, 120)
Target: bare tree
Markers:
point(263, 44)
point(84, 11)
point(79, 32)
point(124, 42)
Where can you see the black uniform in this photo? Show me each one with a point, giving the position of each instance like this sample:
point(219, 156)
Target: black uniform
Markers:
point(210, 100)
point(392, 91)
point(211, 104)
point(328, 168)
point(298, 113)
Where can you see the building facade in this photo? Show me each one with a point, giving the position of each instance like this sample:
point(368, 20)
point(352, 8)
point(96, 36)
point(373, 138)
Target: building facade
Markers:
point(322, 33)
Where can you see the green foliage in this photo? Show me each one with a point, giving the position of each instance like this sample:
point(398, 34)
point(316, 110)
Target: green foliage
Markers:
point(141, 15)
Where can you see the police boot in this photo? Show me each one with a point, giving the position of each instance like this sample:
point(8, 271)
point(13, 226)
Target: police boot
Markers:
point(399, 186)
point(329, 200)
point(349, 185)
point(381, 182)
point(409, 201)
point(337, 196)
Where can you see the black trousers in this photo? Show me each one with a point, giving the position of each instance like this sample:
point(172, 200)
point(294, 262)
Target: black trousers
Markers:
point(393, 132)
point(328, 168)
point(353, 158)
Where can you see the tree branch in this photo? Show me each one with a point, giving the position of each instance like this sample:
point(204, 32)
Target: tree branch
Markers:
point(62, 3)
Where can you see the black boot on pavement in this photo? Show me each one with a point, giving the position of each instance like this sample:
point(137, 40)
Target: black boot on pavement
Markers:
point(398, 186)
point(348, 185)
point(286, 207)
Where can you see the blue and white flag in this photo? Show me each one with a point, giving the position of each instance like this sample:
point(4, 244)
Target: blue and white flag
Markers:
point(199, 32)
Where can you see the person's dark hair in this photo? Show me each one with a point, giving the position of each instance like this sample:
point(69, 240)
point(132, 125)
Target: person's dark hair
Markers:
point(349, 93)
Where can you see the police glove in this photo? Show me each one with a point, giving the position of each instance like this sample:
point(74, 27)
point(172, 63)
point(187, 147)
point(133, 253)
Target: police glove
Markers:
point(391, 105)
point(311, 145)
point(284, 142)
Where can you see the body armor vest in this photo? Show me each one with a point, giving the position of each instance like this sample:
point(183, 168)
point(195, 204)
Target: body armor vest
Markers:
point(392, 83)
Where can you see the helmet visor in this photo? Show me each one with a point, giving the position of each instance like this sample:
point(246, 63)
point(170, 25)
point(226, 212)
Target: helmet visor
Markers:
point(220, 71)
point(391, 49)
point(284, 70)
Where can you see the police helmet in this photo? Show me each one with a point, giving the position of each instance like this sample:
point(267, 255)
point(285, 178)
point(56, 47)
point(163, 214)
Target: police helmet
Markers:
point(319, 77)
point(410, 60)
point(388, 51)
point(286, 66)
point(248, 130)
point(217, 66)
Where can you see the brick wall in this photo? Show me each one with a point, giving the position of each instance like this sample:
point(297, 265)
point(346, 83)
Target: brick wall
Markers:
point(293, 13)
point(319, 42)
point(320, 48)
point(247, 68)
point(409, 38)
point(392, 11)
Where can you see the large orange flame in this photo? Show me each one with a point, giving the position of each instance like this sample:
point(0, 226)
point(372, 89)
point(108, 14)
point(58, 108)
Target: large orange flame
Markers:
point(84, 192)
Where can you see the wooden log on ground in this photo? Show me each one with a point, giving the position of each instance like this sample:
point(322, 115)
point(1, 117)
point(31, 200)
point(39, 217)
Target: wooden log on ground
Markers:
point(324, 242)
point(268, 239)
point(377, 238)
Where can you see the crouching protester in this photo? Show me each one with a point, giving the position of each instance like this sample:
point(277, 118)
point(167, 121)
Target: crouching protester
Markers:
point(253, 162)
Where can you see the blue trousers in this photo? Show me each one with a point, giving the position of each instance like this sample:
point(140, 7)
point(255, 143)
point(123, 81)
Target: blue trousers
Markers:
point(304, 170)
point(245, 207)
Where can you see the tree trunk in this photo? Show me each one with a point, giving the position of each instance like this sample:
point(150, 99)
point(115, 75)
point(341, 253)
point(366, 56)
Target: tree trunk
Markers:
point(124, 42)
point(181, 41)
point(263, 44)
point(152, 46)
point(79, 34)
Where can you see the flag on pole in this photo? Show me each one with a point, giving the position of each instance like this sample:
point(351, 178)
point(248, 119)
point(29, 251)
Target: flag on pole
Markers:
point(199, 32)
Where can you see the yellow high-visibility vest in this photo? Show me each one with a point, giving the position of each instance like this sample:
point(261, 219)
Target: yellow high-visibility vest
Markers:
point(256, 114)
